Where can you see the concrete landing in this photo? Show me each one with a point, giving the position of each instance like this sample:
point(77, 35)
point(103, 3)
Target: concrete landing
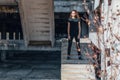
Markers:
point(75, 69)
point(34, 65)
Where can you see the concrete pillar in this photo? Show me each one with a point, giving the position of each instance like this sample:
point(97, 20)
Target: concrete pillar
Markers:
point(3, 55)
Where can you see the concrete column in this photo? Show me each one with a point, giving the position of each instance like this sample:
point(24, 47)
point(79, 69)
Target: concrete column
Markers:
point(3, 55)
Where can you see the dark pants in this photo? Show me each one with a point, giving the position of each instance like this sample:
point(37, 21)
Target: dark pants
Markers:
point(77, 44)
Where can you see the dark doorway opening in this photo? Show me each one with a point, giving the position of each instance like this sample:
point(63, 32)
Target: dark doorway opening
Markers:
point(10, 23)
point(61, 25)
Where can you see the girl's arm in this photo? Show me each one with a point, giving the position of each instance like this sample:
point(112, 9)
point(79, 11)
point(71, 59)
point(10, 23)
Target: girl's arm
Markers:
point(68, 30)
point(79, 28)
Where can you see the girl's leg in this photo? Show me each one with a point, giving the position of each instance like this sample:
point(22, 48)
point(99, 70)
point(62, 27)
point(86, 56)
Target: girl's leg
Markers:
point(69, 45)
point(78, 47)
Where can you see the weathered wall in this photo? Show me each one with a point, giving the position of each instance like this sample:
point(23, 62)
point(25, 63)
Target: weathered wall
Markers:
point(68, 6)
point(111, 24)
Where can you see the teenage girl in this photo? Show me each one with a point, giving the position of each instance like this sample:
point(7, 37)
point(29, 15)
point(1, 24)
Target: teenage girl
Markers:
point(73, 31)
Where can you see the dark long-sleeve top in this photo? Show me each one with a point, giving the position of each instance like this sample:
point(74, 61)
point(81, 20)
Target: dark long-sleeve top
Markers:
point(74, 27)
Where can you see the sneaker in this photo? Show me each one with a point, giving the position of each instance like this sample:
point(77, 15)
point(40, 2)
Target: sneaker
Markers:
point(80, 58)
point(68, 57)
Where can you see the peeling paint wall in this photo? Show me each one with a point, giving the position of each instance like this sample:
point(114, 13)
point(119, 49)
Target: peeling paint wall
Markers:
point(111, 39)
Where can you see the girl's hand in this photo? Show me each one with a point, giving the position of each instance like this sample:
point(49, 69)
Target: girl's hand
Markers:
point(68, 37)
point(78, 36)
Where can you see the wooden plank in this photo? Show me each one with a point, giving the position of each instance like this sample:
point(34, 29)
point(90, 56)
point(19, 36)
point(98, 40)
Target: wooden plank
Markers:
point(42, 38)
point(38, 15)
point(41, 7)
point(37, 43)
point(39, 11)
point(36, 2)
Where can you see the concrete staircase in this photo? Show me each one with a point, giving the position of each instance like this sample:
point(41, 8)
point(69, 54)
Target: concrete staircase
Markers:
point(75, 69)
point(31, 65)
point(77, 72)
point(37, 21)
point(41, 57)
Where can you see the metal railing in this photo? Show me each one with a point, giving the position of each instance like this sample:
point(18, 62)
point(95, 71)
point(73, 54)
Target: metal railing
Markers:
point(6, 44)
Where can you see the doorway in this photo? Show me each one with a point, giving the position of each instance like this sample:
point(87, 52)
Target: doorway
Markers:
point(61, 25)
point(10, 23)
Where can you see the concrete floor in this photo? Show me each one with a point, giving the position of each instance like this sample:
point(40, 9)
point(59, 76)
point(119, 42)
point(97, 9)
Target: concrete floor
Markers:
point(23, 67)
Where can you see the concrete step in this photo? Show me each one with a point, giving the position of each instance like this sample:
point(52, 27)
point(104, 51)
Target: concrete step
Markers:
point(9, 78)
point(16, 71)
point(75, 69)
point(74, 54)
point(82, 40)
point(52, 57)
point(75, 61)
point(77, 72)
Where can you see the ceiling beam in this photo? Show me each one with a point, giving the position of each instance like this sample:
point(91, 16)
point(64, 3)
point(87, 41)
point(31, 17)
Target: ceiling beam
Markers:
point(7, 2)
